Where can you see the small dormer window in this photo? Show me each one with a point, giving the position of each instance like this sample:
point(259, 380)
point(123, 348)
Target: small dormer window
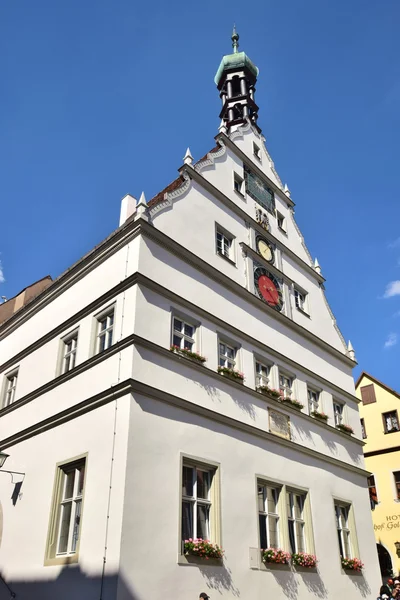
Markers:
point(238, 184)
point(256, 151)
point(281, 222)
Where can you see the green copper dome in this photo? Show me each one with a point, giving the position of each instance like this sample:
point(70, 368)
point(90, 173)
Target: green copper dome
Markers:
point(236, 60)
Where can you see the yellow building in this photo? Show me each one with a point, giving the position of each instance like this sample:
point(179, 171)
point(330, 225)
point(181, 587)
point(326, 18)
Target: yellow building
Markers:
point(379, 410)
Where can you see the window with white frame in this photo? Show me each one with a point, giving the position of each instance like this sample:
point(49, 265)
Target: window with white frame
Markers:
point(10, 386)
point(363, 429)
point(343, 529)
point(224, 244)
point(238, 183)
point(300, 300)
point(66, 512)
point(268, 515)
point(256, 151)
point(105, 330)
point(313, 400)
point(69, 347)
point(338, 412)
point(183, 334)
point(390, 421)
point(373, 494)
point(285, 385)
point(281, 221)
point(227, 355)
point(296, 520)
point(197, 506)
point(262, 374)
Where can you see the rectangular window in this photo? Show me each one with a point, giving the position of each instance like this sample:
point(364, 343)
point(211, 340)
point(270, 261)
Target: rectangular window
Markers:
point(338, 409)
point(368, 394)
point(70, 344)
point(396, 477)
point(313, 400)
point(268, 515)
point(343, 529)
point(238, 184)
point(262, 374)
point(105, 330)
point(363, 429)
point(390, 421)
point(256, 151)
point(199, 518)
point(373, 495)
point(183, 334)
point(66, 513)
point(281, 221)
point(300, 300)
point(224, 244)
point(227, 355)
point(10, 386)
point(296, 521)
point(285, 385)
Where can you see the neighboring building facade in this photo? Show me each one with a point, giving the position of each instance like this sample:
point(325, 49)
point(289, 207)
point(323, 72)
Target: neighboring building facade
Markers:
point(379, 412)
point(131, 443)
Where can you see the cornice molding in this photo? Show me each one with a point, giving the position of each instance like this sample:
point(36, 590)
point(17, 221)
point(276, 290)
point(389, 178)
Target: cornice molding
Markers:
point(170, 197)
point(211, 157)
point(131, 386)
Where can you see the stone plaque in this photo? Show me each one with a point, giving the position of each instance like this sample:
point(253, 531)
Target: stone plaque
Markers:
point(279, 424)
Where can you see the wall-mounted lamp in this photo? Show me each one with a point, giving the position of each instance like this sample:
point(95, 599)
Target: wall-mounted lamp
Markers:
point(3, 458)
point(397, 546)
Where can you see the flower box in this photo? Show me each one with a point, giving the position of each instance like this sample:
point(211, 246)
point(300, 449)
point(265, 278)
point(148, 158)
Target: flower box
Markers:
point(231, 373)
point(293, 402)
point(345, 428)
point(202, 549)
point(302, 559)
point(275, 556)
point(264, 389)
point(319, 415)
point(352, 564)
point(188, 354)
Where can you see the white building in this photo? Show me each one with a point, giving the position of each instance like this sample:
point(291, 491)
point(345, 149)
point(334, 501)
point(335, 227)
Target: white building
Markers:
point(128, 448)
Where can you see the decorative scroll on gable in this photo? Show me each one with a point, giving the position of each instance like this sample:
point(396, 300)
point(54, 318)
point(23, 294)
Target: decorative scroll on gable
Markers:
point(211, 157)
point(166, 198)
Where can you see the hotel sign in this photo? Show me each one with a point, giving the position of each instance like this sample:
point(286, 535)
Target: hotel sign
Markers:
point(392, 522)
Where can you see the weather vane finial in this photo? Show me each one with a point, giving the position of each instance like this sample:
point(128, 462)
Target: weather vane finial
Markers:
point(235, 40)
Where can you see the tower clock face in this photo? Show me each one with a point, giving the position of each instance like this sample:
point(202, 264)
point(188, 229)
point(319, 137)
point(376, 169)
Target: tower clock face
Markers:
point(265, 249)
point(268, 288)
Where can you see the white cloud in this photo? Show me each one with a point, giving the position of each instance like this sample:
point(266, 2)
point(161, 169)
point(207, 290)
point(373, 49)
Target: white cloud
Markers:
point(2, 278)
point(392, 289)
point(391, 340)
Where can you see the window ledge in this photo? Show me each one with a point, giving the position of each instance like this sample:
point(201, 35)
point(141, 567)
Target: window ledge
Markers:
point(303, 312)
point(352, 573)
point(274, 567)
point(300, 569)
point(188, 559)
point(61, 560)
point(229, 260)
point(282, 230)
point(243, 197)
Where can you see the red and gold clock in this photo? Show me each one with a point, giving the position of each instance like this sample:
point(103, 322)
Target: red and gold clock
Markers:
point(268, 288)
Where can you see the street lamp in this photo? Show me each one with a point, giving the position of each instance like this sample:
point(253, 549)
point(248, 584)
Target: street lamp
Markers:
point(397, 546)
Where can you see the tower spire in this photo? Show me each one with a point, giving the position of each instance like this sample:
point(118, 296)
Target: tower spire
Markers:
point(235, 40)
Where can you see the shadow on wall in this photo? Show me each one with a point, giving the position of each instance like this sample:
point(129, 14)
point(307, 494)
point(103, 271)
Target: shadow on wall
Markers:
point(71, 584)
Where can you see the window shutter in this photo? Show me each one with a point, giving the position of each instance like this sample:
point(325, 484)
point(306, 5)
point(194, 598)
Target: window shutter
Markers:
point(368, 394)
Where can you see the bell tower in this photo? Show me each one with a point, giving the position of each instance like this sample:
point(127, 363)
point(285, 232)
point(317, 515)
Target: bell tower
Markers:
point(236, 78)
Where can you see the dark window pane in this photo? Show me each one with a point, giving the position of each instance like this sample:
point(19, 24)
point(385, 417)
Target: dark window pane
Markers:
point(187, 520)
point(263, 531)
point(202, 521)
point(203, 484)
point(291, 536)
point(187, 481)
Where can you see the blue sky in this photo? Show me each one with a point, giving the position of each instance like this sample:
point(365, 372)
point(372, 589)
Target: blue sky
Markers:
point(100, 98)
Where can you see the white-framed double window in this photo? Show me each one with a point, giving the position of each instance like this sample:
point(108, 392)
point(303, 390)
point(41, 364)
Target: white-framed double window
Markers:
point(300, 299)
point(343, 529)
point(285, 385)
point(197, 505)
point(390, 421)
point(105, 330)
point(66, 512)
point(226, 355)
point(10, 387)
point(262, 374)
point(268, 515)
point(69, 348)
point(295, 502)
point(313, 400)
point(338, 412)
point(224, 243)
point(183, 334)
